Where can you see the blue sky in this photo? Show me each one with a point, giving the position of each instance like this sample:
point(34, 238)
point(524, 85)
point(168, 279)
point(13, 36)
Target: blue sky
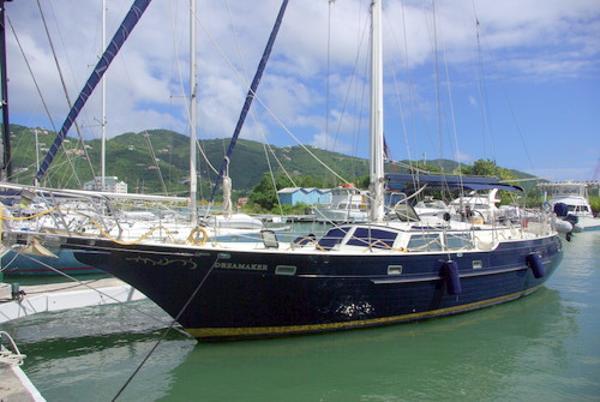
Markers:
point(530, 98)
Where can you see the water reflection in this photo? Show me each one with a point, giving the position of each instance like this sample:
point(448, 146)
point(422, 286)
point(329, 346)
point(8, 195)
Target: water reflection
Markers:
point(474, 355)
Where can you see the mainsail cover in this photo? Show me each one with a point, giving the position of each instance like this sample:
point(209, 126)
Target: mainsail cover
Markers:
point(129, 22)
point(250, 95)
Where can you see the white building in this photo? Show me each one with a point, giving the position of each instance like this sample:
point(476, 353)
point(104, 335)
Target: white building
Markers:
point(112, 185)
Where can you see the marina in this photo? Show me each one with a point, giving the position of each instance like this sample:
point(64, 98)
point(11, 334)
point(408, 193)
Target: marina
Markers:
point(283, 232)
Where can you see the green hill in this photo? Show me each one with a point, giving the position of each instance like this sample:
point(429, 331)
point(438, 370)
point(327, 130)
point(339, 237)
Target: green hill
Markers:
point(129, 158)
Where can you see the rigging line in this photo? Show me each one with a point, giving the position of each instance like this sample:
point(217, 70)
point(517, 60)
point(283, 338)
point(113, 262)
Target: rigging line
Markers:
point(438, 101)
point(183, 91)
point(357, 161)
point(38, 89)
point(347, 95)
point(161, 321)
point(411, 98)
point(522, 137)
point(399, 98)
point(64, 86)
point(163, 336)
point(273, 181)
point(258, 99)
point(251, 91)
point(145, 132)
point(266, 144)
point(453, 119)
point(327, 85)
point(481, 88)
point(297, 140)
point(69, 66)
point(155, 160)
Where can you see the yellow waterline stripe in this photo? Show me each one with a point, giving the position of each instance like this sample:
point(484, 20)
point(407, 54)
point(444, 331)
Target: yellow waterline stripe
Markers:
point(292, 329)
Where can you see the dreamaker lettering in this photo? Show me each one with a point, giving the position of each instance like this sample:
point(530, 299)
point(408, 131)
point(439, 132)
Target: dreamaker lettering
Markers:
point(235, 265)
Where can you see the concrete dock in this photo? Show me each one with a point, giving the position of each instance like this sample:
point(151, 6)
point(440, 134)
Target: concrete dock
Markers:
point(16, 387)
point(14, 384)
point(67, 295)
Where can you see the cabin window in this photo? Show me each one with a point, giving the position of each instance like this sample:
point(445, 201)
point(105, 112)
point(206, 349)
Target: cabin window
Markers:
point(458, 241)
point(369, 237)
point(424, 242)
point(332, 238)
point(584, 208)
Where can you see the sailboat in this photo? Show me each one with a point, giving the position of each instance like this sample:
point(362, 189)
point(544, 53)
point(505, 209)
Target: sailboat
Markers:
point(384, 271)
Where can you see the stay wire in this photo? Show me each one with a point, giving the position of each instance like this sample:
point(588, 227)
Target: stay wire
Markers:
point(266, 146)
point(438, 101)
point(352, 79)
point(328, 78)
point(39, 91)
point(258, 99)
point(482, 89)
point(413, 173)
point(64, 87)
point(94, 289)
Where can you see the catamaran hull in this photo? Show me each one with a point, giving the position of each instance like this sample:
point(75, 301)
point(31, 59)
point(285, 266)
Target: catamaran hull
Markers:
point(250, 294)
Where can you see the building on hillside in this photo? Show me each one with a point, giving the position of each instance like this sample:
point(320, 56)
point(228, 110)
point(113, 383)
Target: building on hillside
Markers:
point(302, 195)
point(112, 185)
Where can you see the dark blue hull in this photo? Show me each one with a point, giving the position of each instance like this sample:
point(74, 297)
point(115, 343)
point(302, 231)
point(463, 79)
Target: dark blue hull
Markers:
point(244, 296)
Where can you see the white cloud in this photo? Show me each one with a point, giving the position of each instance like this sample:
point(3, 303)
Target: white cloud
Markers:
point(330, 142)
point(550, 39)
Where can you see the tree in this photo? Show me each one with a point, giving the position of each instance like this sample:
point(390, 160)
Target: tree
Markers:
point(264, 195)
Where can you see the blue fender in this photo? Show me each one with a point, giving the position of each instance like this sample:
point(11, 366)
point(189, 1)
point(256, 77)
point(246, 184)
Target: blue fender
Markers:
point(535, 263)
point(450, 272)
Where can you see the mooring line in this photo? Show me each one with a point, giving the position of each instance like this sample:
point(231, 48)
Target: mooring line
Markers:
point(102, 293)
point(153, 349)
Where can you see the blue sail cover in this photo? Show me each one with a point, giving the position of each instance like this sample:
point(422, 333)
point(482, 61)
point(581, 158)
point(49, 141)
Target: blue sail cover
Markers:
point(129, 22)
point(400, 182)
point(250, 95)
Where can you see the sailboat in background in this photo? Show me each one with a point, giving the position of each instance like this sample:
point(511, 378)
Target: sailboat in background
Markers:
point(385, 271)
point(121, 226)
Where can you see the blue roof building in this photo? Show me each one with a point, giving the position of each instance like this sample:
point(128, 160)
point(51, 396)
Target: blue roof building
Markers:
point(302, 195)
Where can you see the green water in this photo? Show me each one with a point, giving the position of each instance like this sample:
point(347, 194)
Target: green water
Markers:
point(544, 347)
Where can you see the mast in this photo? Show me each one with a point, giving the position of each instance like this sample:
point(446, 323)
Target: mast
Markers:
point(129, 22)
point(376, 125)
point(6, 165)
point(103, 123)
point(193, 87)
point(37, 149)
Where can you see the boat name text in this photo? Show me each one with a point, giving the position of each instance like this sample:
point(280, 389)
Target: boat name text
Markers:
point(239, 265)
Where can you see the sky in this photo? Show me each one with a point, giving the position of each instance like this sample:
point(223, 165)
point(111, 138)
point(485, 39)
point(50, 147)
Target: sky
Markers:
point(516, 81)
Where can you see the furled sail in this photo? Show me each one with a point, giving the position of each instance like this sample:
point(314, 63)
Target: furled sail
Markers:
point(129, 22)
point(250, 95)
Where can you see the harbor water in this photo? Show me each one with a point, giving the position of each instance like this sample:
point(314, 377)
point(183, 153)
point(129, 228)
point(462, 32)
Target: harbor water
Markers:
point(543, 347)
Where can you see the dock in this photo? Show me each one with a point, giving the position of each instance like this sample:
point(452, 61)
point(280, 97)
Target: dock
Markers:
point(67, 295)
point(269, 218)
point(15, 386)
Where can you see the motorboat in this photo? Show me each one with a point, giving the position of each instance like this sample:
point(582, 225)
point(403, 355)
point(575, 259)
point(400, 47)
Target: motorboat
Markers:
point(574, 196)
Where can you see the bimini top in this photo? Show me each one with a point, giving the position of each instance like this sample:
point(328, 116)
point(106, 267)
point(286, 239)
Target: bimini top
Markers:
point(400, 182)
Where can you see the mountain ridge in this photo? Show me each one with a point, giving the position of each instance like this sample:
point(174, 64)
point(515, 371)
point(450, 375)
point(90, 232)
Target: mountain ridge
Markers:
point(129, 158)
